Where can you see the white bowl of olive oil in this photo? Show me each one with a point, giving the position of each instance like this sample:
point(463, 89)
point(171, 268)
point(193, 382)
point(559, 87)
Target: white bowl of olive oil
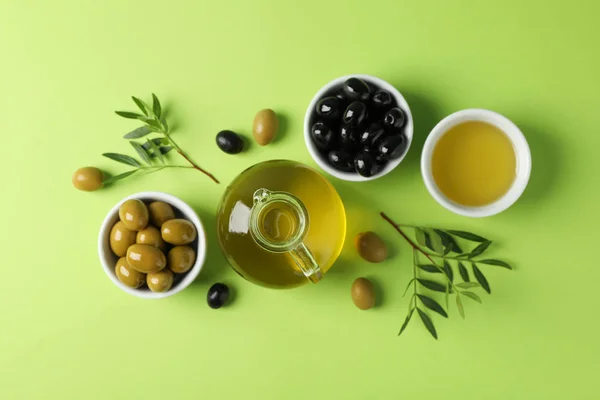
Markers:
point(476, 163)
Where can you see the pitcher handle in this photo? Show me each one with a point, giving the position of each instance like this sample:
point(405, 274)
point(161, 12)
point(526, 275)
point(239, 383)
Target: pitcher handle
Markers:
point(306, 262)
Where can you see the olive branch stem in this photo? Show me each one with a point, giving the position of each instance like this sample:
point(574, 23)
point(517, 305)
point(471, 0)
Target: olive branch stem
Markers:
point(442, 242)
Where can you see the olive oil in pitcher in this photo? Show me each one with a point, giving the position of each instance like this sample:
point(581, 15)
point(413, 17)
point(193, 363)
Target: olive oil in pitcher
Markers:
point(281, 224)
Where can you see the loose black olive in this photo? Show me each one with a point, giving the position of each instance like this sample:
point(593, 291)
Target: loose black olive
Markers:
point(366, 165)
point(329, 107)
point(391, 147)
point(356, 89)
point(355, 114)
point(349, 137)
point(230, 142)
point(341, 160)
point(372, 135)
point(322, 135)
point(217, 296)
point(382, 99)
point(394, 118)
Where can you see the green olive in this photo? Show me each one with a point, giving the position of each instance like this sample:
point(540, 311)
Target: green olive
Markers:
point(363, 293)
point(128, 275)
point(370, 247)
point(134, 214)
point(88, 179)
point(160, 281)
point(180, 259)
point(265, 126)
point(150, 235)
point(178, 232)
point(145, 258)
point(120, 239)
point(160, 212)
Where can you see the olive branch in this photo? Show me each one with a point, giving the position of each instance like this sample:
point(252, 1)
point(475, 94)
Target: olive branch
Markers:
point(153, 151)
point(436, 245)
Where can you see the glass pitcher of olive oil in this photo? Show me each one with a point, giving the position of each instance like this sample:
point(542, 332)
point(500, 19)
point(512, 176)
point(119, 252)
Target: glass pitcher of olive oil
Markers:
point(281, 224)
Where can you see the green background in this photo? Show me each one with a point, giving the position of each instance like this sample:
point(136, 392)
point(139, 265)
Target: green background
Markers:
point(68, 332)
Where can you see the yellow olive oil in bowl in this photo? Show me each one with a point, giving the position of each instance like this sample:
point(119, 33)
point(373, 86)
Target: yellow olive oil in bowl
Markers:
point(474, 163)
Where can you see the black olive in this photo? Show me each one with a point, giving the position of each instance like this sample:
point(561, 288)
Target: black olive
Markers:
point(322, 135)
point(329, 107)
point(391, 147)
point(230, 142)
point(382, 99)
point(349, 137)
point(355, 114)
point(394, 118)
point(356, 89)
point(341, 160)
point(217, 295)
point(372, 135)
point(366, 165)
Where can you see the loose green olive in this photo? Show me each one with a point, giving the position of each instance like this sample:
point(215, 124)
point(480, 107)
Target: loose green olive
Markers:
point(178, 232)
point(363, 293)
point(88, 179)
point(370, 247)
point(134, 214)
point(160, 281)
point(180, 259)
point(265, 126)
point(150, 235)
point(160, 212)
point(127, 275)
point(120, 239)
point(145, 258)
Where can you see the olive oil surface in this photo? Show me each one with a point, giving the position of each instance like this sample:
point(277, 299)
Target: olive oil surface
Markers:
point(474, 163)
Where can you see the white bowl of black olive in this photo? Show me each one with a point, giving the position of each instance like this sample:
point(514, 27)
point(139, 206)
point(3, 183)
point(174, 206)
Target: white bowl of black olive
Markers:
point(358, 128)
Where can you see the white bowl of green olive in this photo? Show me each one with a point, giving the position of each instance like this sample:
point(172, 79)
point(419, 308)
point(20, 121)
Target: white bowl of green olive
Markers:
point(358, 128)
point(152, 245)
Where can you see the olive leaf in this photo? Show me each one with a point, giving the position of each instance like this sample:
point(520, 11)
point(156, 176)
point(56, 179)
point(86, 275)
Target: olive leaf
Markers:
point(166, 149)
point(481, 279)
point(467, 285)
point(427, 322)
point(432, 305)
point(452, 244)
point(138, 133)
point(498, 263)
point(435, 242)
point(163, 122)
point(447, 240)
point(472, 296)
point(430, 268)
point(156, 151)
point(115, 178)
point(447, 297)
point(408, 286)
point(122, 158)
point(406, 321)
point(156, 108)
point(464, 273)
point(432, 285)
point(153, 124)
point(459, 304)
point(141, 152)
point(448, 271)
point(143, 106)
point(469, 236)
point(421, 236)
point(129, 115)
point(480, 249)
